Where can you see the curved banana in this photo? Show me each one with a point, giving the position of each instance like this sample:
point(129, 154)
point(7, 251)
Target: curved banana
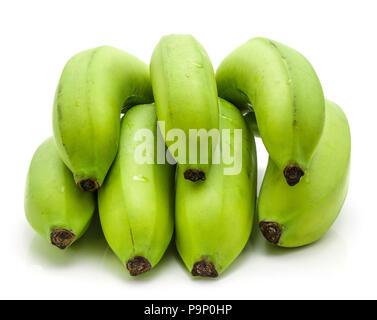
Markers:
point(136, 202)
point(184, 88)
point(93, 88)
point(292, 217)
point(214, 219)
point(55, 207)
point(283, 90)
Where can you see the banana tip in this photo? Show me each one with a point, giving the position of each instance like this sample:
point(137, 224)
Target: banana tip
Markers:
point(62, 238)
point(194, 175)
point(204, 268)
point(293, 174)
point(272, 231)
point(90, 184)
point(138, 265)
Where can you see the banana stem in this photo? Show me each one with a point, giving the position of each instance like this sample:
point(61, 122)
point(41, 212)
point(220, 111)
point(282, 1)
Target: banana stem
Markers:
point(89, 185)
point(194, 175)
point(62, 238)
point(272, 231)
point(293, 174)
point(138, 265)
point(204, 268)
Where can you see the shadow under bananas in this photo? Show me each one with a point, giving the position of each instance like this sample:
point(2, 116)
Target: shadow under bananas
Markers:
point(331, 242)
point(331, 248)
point(91, 245)
point(91, 248)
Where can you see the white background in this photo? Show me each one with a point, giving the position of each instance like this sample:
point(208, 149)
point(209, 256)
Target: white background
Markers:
point(38, 37)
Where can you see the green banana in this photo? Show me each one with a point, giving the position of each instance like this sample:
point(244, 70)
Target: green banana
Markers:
point(281, 87)
point(292, 217)
point(93, 88)
point(55, 207)
point(184, 88)
point(136, 202)
point(214, 219)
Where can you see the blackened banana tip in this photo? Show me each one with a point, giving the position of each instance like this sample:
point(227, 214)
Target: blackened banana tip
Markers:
point(272, 231)
point(62, 238)
point(138, 265)
point(293, 174)
point(204, 268)
point(194, 175)
point(89, 185)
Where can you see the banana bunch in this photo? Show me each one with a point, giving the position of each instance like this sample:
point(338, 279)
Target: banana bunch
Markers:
point(180, 112)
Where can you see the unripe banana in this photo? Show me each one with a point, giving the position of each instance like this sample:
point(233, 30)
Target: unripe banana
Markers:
point(93, 88)
point(292, 217)
point(214, 219)
point(55, 207)
point(283, 90)
point(184, 88)
point(136, 202)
